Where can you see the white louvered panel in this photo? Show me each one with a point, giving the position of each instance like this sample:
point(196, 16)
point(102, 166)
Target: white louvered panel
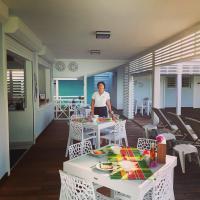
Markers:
point(15, 47)
point(187, 69)
point(168, 70)
point(126, 91)
point(142, 64)
point(186, 47)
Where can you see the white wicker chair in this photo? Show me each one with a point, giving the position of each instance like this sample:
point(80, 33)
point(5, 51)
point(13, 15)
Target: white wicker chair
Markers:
point(116, 134)
point(73, 187)
point(79, 149)
point(163, 184)
point(79, 133)
point(146, 144)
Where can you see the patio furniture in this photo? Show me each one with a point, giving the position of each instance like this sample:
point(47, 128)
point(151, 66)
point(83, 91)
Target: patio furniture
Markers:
point(195, 125)
point(116, 134)
point(143, 106)
point(134, 189)
point(98, 127)
point(148, 128)
point(79, 149)
point(146, 144)
point(73, 187)
point(162, 187)
point(165, 122)
point(183, 150)
point(186, 132)
point(79, 133)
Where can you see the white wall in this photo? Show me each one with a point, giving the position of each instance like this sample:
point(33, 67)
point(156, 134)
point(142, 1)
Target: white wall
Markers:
point(120, 76)
point(143, 87)
point(43, 117)
point(186, 97)
point(4, 131)
point(87, 67)
point(117, 88)
point(44, 114)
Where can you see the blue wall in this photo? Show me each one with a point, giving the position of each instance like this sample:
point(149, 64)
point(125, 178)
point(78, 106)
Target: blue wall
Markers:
point(90, 88)
point(71, 88)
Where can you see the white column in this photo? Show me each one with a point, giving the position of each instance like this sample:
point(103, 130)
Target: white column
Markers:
point(178, 93)
point(156, 92)
point(85, 89)
point(131, 104)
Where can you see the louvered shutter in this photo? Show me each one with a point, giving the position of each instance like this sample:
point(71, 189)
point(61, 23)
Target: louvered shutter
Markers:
point(16, 87)
point(185, 47)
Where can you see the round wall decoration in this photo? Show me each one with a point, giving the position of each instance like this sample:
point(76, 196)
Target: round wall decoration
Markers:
point(60, 66)
point(73, 66)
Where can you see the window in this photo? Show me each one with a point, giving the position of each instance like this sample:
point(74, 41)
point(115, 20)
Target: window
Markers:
point(171, 82)
point(15, 83)
point(44, 76)
point(186, 82)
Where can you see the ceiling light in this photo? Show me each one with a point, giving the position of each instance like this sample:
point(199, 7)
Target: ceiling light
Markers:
point(103, 34)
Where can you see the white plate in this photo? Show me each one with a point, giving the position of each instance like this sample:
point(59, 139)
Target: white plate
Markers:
point(98, 166)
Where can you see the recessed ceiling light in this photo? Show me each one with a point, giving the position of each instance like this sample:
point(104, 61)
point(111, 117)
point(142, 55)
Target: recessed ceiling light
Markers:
point(103, 34)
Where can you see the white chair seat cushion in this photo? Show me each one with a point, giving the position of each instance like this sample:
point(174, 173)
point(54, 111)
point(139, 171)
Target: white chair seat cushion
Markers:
point(174, 127)
point(169, 136)
point(185, 148)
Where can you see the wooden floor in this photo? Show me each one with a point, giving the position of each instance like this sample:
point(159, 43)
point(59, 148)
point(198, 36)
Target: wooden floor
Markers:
point(36, 176)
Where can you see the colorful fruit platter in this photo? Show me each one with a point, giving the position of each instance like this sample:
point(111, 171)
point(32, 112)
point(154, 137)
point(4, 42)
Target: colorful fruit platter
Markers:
point(101, 119)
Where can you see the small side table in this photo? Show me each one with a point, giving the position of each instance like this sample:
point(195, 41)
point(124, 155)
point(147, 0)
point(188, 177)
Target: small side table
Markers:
point(185, 149)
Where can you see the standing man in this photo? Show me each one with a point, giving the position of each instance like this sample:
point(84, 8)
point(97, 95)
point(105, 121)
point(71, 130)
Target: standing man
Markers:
point(101, 101)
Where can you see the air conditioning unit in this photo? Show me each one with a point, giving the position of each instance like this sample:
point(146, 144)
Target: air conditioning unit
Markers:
point(103, 34)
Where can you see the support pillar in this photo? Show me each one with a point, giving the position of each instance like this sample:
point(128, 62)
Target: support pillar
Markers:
point(156, 92)
point(178, 93)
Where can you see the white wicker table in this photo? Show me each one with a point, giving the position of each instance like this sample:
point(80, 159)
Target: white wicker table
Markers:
point(84, 167)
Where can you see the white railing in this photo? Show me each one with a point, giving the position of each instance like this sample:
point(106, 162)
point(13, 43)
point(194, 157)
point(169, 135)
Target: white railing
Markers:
point(65, 106)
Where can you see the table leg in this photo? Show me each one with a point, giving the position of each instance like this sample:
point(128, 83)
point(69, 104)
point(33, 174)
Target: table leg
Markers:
point(98, 138)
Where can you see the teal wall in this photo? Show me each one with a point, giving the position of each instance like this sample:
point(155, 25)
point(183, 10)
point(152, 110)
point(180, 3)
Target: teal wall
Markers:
point(71, 88)
point(90, 88)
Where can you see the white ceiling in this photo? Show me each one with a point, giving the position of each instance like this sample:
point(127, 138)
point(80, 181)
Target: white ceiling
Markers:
point(67, 26)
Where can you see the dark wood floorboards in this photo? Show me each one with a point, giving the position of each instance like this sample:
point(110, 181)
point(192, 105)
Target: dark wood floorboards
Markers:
point(36, 176)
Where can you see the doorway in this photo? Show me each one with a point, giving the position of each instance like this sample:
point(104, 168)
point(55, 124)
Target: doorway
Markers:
point(20, 106)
